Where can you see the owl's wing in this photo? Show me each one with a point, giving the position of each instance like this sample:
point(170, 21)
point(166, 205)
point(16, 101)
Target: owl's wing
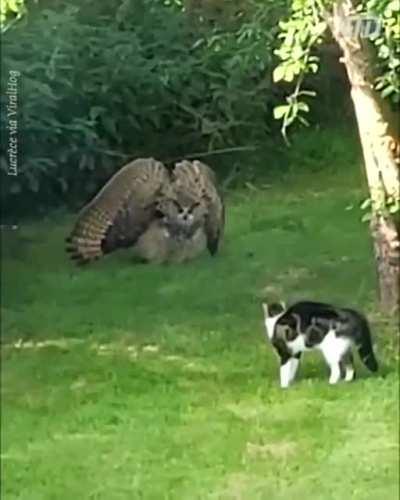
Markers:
point(121, 211)
point(200, 182)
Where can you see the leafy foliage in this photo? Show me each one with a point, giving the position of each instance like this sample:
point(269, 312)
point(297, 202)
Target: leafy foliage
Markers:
point(387, 44)
point(10, 12)
point(104, 82)
point(306, 28)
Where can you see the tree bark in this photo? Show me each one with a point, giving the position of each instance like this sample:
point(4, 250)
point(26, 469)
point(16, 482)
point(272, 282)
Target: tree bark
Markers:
point(379, 135)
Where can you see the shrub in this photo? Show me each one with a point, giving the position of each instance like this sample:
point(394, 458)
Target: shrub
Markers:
point(105, 82)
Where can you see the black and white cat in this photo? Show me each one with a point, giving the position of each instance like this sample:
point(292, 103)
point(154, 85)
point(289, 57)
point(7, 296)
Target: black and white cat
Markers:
point(313, 325)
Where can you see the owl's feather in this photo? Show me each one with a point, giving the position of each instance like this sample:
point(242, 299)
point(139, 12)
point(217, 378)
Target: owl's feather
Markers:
point(129, 211)
point(120, 212)
point(197, 178)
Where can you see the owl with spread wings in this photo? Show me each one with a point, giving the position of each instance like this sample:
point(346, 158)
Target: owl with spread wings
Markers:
point(164, 215)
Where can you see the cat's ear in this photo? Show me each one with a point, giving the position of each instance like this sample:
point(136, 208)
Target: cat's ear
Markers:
point(283, 304)
point(265, 309)
point(273, 309)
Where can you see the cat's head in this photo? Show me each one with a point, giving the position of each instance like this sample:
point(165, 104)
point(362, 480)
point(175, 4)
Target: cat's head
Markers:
point(273, 309)
point(272, 312)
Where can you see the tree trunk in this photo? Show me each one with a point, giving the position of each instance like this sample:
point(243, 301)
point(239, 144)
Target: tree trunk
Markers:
point(378, 128)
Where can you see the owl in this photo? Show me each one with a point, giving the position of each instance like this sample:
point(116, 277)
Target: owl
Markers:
point(163, 215)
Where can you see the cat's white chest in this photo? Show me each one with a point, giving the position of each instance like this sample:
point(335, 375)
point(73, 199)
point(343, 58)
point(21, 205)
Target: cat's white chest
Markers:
point(297, 345)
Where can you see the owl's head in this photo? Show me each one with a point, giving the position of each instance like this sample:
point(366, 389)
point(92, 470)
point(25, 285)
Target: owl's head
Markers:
point(180, 215)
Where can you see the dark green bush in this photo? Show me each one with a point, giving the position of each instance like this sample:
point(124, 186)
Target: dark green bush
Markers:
point(104, 82)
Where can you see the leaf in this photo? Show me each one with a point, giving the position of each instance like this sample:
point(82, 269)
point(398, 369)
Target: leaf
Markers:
point(303, 106)
point(303, 121)
point(290, 72)
point(366, 217)
point(319, 28)
point(386, 92)
point(95, 112)
point(279, 73)
point(109, 125)
point(393, 6)
point(251, 186)
point(309, 93)
point(280, 111)
point(14, 5)
point(297, 52)
point(63, 185)
point(366, 204)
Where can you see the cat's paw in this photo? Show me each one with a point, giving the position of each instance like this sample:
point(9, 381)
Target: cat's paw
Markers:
point(335, 374)
point(350, 375)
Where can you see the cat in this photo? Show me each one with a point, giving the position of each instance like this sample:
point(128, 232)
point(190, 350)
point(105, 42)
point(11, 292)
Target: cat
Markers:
point(310, 325)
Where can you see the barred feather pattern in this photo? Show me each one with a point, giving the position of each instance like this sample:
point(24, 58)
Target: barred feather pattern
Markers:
point(139, 181)
point(200, 181)
point(128, 206)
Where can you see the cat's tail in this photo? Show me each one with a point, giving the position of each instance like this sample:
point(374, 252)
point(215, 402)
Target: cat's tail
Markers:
point(364, 344)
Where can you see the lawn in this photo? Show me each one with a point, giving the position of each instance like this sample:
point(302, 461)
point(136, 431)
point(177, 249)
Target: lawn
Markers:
point(125, 381)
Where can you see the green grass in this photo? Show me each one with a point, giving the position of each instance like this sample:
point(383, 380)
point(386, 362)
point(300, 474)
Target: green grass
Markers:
point(125, 381)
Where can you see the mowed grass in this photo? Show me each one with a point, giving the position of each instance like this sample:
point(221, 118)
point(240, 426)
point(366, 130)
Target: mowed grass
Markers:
point(124, 381)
